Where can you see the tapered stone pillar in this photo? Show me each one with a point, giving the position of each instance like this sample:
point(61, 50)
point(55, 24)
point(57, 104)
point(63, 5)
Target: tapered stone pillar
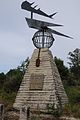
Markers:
point(41, 85)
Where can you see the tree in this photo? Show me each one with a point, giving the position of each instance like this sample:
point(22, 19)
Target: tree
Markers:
point(74, 63)
point(64, 72)
point(2, 79)
point(13, 80)
point(14, 77)
point(23, 67)
point(74, 58)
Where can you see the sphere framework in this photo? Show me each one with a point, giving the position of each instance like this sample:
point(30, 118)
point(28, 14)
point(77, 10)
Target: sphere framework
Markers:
point(43, 39)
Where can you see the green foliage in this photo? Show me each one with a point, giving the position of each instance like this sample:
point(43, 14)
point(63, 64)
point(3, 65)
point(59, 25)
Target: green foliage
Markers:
point(76, 110)
point(13, 80)
point(10, 82)
point(7, 99)
point(74, 63)
point(71, 110)
point(74, 58)
point(62, 69)
point(71, 76)
point(24, 65)
point(71, 81)
point(9, 86)
point(56, 112)
point(2, 79)
point(67, 110)
point(73, 94)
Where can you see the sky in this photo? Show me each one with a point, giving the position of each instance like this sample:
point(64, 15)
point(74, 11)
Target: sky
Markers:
point(16, 37)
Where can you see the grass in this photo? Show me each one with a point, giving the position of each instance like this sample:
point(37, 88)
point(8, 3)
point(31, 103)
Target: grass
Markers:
point(73, 108)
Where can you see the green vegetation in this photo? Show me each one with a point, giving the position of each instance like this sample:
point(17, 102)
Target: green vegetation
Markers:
point(71, 80)
point(9, 86)
point(56, 112)
point(10, 82)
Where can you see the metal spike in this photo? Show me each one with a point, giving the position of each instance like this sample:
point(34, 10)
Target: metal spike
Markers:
point(32, 3)
point(35, 6)
point(58, 33)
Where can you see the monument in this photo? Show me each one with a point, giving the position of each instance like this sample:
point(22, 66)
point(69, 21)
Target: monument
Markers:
point(41, 85)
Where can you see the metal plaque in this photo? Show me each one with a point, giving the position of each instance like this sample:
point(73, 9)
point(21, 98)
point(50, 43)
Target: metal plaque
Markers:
point(36, 81)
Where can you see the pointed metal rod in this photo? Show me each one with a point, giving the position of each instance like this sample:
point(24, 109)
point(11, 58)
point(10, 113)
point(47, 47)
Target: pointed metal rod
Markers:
point(58, 33)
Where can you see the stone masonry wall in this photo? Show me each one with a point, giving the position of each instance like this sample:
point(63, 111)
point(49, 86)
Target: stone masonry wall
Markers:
point(41, 85)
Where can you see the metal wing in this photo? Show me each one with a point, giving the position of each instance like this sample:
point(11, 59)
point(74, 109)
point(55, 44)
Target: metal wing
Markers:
point(58, 33)
point(32, 23)
point(36, 24)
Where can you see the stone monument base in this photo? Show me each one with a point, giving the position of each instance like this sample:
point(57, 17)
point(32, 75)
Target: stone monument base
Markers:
point(41, 86)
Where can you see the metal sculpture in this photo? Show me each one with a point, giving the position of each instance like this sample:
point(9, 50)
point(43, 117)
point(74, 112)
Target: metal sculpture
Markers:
point(43, 37)
point(27, 6)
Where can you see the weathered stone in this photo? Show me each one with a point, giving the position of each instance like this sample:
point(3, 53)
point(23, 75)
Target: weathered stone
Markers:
point(41, 85)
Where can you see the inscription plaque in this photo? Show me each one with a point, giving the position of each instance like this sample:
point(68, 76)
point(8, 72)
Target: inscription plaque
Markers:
point(36, 81)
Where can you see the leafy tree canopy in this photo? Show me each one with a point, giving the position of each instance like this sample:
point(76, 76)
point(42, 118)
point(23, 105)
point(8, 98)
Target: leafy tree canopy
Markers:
point(62, 69)
point(74, 63)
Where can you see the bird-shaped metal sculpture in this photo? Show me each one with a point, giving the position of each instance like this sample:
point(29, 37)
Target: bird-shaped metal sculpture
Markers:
point(36, 24)
point(27, 6)
point(43, 37)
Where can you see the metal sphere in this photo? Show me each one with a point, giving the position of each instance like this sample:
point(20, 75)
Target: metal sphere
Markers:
point(43, 39)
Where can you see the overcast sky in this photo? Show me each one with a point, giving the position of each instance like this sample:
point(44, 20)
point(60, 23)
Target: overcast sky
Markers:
point(15, 35)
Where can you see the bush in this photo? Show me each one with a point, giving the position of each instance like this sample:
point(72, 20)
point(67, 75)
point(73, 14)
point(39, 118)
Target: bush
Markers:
point(2, 79)
point(73, 94)
point(56, 112)
point(76, 110)
point(67, 110)
point(13, 80)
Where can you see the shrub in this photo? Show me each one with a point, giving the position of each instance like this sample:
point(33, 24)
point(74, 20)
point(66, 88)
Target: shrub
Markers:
point(56, 112)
